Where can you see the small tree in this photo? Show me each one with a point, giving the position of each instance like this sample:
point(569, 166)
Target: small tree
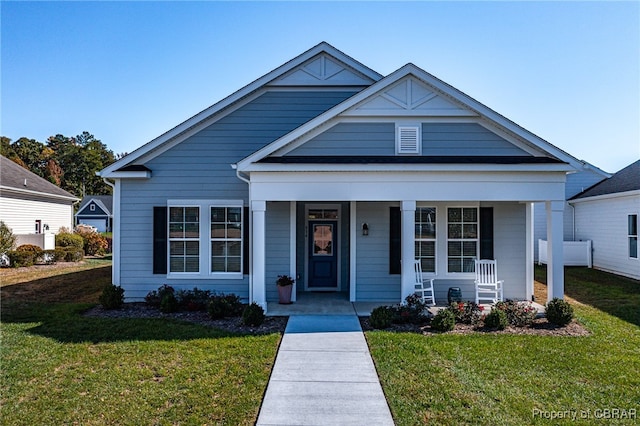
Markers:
point(7, 239)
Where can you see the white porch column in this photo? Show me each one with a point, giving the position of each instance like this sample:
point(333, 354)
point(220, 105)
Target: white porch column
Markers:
point(293, 270)
point(407, 287)
point(353, 234)
point(258, 292)
point(529, 251)
point(555, 254)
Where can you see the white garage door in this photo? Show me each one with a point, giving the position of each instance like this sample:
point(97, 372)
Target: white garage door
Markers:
point(99, 224)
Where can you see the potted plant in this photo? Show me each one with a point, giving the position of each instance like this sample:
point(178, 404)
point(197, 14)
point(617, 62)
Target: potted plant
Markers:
point(285, 285)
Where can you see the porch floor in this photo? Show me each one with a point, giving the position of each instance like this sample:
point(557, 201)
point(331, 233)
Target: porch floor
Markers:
point(339, 304)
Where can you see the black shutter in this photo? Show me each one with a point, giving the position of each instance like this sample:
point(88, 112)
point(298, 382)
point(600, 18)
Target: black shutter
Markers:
point(245, 241)
point(160, 240)
point(395, 241)
point(486, 233)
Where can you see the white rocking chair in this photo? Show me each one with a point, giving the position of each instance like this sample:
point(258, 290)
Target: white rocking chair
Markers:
point(425, 292)
point(488, 287)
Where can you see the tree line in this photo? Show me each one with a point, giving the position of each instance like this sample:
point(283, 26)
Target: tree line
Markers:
point(68, 162)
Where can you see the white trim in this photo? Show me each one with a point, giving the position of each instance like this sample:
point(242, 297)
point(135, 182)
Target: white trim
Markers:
point(476, 206)
point(438, 86)
point(529, 241)
point(606, 196)
point(145, 174)
point(37, 193)
point(408, 139)
point(258, 294)
point(115, 229)
point(407, 275)
point(177, 132)
point(370, 186)
point(411, 167)
point(204, 240)
point(353, 254)
point(292, 248)
point(338, 230)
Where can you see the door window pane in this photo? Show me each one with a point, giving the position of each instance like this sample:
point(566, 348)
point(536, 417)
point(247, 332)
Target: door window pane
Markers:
point(322, 240)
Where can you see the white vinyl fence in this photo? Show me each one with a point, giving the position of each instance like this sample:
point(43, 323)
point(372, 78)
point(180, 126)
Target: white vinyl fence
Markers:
point(576, 253)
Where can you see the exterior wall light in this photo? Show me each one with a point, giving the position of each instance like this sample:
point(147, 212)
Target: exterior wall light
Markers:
point(365, 229)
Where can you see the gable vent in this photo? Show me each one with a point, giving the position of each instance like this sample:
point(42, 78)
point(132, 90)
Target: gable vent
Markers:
point(408, 140)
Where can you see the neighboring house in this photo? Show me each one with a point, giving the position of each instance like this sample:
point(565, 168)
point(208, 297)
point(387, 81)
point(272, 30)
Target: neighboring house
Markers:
point(586, 176)
point(607, 214)
point(325, 170)
point(96, 211)
point(32, 206)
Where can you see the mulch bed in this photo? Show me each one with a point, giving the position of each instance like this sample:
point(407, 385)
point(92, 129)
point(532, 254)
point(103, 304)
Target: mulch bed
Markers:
point(540, 327)
point(232, 325)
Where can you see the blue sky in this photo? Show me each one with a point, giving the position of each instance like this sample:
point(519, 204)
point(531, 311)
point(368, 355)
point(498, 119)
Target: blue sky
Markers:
point(129, 71)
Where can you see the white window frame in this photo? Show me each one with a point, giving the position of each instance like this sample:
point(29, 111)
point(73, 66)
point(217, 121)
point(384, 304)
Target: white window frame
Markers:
point(434, 240)
point(462, 239)
point(204, 239)
point(631, 236)
point(92, 207)
point(226, 239)
point(172, 239)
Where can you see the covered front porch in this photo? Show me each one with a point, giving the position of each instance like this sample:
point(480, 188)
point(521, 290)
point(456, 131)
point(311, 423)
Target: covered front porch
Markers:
point(369, 205)
point(337, 304)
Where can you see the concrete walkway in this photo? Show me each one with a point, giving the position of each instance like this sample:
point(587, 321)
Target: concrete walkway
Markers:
point(324, 375)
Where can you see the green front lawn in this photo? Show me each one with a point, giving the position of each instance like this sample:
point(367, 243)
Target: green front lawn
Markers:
point(511, 379)
point(59, 367)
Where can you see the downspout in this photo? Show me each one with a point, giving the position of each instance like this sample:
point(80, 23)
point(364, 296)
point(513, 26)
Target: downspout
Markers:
point(573, 221)
point(245, 179)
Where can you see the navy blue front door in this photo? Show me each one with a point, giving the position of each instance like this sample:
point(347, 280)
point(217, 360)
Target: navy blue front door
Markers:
point(323, 256)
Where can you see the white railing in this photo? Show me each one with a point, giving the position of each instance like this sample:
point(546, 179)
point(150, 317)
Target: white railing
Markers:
point(576, 253)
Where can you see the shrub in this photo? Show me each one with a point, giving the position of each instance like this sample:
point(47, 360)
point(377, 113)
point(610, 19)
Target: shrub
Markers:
point(36, 251)
point(7, 239)
point(112, 297)
point(59, 253)
point(154, 297)
point(519, 314)
point(444, 320)
point(67, 239)
point(413, 311)
point(73, 254)
point(466, 312)
point(559, 312)
point(18, 259)
point(382, 317)
point(94, 244)
point(253, 315)
point(497, 319)
point(224, 305)
point(169, 303)
point(193, 300)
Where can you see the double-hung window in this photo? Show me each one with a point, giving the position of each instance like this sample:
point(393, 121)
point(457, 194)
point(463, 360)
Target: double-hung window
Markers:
point(462, 239)
point(632, 226)
point(184, 239)
point(425, 238)
point(226, 239)
point(205, 239)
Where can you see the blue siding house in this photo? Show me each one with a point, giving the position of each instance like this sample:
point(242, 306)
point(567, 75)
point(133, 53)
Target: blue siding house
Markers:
point(95, 210)
point(327, 171)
